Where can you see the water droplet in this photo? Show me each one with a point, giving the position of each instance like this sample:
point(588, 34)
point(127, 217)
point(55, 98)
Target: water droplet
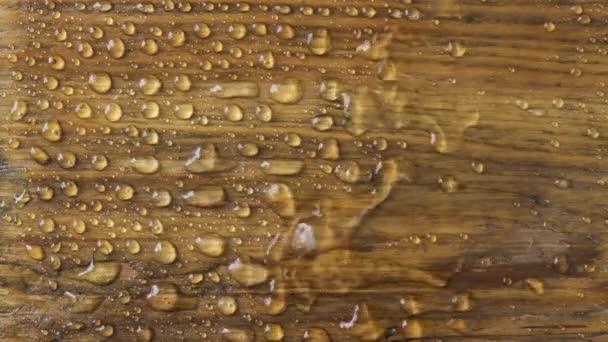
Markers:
point(248, 149)
point(230, 90)
point(22, 199)
point(39, 155)
point(47, 225)
point(182, 83)
point(112, 111)
point(448, 184)
point(99, 162)
point(562, 184)
point(149, 47)
point(145, 165)
point(150, 109)
point(227, 305)
point(281, 200)
point(100, 273)
point(322, 122)
point(78, 226)
point(50, 82)
point(561, 264)
point(166, 297)
point(132, 246)
point(238, 334)
point(237, 31)
point(144, 334)
point(35, 252)
point(100, 82)
point(183, 111)
point(150, 85)
point(106, 330)
point(161, 198)
point(285, 31)
point(83, 111)
point(124, 192)
point(83, 303)
point(536, 285)
point(267, 60)
point(61, 35)
point(51, 130)
point(116, 47)
point(263, 113)
point(233, 112)
point(196, 278)
point(96, 32)
point(45, 193)
point(85, 49)
point(69, 188)
point(412, 329)
point(205, 159)
point(331, 90)
point(165, 252)
point(205, 197)
point(128, 28)
point(176, 38)
point(56, 62)
point(66, 160)
point(293, 139)
point(457, 49)
point(248, 274)
point(350, 172)
point(202, 30)
point(477, 167)
point(316, 335)
point(18, 110)
point(287, 92)
point(211, 245)
point(273, 332)
point(282, 167)
point(145, 7)
point(329, 149)
point(105, 247)
point(319, 41)
point(242, 210)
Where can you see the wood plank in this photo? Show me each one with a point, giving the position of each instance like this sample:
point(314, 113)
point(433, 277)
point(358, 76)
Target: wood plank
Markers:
point(321, 170)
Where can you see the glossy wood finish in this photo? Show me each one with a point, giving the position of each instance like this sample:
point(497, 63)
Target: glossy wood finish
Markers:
point(318, 170)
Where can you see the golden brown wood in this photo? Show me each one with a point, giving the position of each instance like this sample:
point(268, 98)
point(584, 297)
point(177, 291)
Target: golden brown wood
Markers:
point(321, 170)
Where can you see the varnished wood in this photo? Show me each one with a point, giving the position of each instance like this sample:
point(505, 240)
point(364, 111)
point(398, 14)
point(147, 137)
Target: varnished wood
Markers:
point(483, 218)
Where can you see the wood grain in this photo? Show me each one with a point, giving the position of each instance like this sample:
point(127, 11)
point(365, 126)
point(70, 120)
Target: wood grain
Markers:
point(431, 170)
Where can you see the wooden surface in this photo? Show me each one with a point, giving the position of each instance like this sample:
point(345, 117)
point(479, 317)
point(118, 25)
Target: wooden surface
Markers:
point(431, 170)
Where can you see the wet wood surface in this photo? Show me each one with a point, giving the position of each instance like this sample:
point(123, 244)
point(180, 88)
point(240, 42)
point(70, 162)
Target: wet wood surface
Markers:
point(303, 170)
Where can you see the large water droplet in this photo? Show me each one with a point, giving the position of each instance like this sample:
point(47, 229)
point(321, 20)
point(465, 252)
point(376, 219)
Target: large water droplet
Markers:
point(100, 82)
point(205, 197)
point(281, 200)
point(248, 274)
point(166, 297)
point(145, 165)
point(288, 92)
point(51, 130)
point(165, 252)
point(100, 273)
point(210, 244)
point(319, 41)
